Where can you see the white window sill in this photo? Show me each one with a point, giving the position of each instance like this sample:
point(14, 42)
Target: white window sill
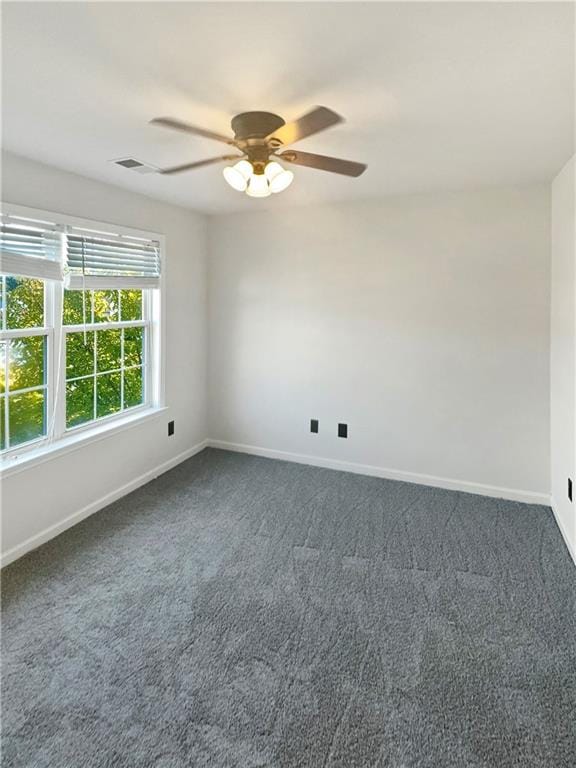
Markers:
point(31, 457)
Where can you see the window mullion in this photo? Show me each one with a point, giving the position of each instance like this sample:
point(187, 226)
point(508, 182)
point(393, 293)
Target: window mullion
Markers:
point(58, 354)
point(147, 377)
point(6, 396)
point(121, 369)
point(95, 369)
point(106, 326)
point(58, 363)
point(50, 357)
point(18, 333)
point(154, 377)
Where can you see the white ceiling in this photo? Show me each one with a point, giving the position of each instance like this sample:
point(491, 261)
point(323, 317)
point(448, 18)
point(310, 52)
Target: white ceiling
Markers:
point(436, 95)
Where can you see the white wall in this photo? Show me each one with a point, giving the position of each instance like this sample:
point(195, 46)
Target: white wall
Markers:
point(422, 322)
point(563, 350)
point(36, 499)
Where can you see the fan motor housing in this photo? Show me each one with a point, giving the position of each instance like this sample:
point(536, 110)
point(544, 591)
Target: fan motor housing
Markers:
point(255, 125)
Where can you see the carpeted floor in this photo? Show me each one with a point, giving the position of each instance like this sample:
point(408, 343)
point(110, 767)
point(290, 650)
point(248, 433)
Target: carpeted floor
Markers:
point(240, 612)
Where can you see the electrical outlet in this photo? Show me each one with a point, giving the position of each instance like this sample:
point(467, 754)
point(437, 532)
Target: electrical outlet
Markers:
point(570, 488)
point(170, 428)
point(342, 430)
point(314, 426)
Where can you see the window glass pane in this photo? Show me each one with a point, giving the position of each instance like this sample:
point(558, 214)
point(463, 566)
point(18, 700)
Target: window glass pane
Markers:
point(131, 305)
point(133, 346)
point(106, 308)
point(108, 397)
point(79, 356)
point(2, 299)
point(26, 417)
point(3, 349)
point(24, 303)
point(2, 424)
point(79, 401)
point(133, 387)
point(108, 350)
point(27, 368)
point(73, 311)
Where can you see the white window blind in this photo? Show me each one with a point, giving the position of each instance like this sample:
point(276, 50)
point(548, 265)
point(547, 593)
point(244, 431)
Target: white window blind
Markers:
point(110, 261)
point(30, 248)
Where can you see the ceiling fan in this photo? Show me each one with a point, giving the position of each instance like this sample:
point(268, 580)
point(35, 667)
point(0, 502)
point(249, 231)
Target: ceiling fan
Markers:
point(259, 136)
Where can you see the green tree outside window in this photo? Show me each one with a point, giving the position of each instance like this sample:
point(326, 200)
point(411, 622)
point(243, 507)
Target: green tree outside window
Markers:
point(105, 369)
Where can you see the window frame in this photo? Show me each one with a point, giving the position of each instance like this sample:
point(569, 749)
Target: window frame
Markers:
point(92, 327)
point(7, 335)
point(153, 319)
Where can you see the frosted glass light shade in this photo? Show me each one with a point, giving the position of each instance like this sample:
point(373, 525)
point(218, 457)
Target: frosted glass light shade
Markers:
point(241, 177)
point(272, 170)
point(281, 181)
point(245, 168)
point(278, 177)
point(234, 178)
point(258, 186)
point(238, 175)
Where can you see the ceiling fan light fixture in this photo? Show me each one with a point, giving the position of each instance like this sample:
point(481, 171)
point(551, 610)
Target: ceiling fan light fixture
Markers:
point(238, 175)
point(258, 186)
point(258, 137)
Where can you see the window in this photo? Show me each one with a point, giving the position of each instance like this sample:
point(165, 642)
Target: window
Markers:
point(23, 349)
point(79, 327)
point(106, 356)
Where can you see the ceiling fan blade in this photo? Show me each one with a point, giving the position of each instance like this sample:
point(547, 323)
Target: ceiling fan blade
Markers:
point(323, 163)
point(312, 122)
point(178, 125)
point(198, 164)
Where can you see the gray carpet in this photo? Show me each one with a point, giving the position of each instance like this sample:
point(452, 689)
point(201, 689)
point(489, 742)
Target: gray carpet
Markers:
point(242, 612)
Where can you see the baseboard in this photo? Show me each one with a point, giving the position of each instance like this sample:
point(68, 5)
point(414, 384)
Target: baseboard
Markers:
point(49, 533)
point(527, 497)
point(569, 545)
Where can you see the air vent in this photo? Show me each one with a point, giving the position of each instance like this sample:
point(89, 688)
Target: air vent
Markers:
point(129, 163)
point(134, 165)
